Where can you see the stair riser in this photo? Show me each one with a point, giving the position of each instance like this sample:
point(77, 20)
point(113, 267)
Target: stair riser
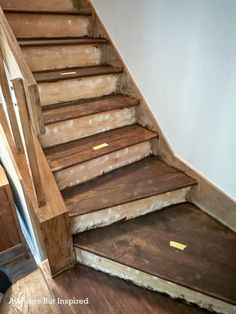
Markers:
point(62, 57)
point(68, 90)
point(49, 5)
point(48, 25)
point(127, 211)
point(74, 129)
point(91, 169)
point(154, 283)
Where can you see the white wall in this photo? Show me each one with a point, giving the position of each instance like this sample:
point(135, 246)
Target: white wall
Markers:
point(182, 55)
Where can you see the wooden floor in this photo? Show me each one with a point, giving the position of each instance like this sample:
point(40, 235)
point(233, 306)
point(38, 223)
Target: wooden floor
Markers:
point(16, 265)
point(207, 265)
point(109, 295)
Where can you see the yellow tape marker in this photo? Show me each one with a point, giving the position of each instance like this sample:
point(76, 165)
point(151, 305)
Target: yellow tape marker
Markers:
point(100, 146)
point(178, 245)
point(68, 73)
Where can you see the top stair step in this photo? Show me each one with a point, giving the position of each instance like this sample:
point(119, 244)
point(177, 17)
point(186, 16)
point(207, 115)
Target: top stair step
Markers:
point(73, 73)
point(50, 6)
point(35, 42)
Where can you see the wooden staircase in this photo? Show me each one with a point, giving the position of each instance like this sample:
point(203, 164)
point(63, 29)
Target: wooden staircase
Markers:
point(108, 167)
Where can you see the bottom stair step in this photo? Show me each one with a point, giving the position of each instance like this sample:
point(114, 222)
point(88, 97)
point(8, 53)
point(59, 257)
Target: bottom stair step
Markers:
point(128, 192)
point(107, 294)
point(139, 250)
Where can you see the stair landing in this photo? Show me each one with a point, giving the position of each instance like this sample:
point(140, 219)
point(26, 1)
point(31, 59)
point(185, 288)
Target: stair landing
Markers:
point(207, 265)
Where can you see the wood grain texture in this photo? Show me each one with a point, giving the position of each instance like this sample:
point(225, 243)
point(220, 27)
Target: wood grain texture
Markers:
point(79, 108)
point(140, 180)
point(207, 265)
point(34, 42)
point(78, 6)
point(42, 58)
point(69, 90)
point(72, 73)
point(28, 25)
point(64, 156)
point(31, 287)
point(111, 295)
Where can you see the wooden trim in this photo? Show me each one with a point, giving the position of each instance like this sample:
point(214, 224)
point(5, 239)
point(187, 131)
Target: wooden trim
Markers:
point(26, 127)
point(206, 194)
point(10, 106)
point(18, 68)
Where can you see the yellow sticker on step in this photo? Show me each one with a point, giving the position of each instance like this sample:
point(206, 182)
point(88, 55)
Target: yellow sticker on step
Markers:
point(100, 146)
point(178, 245)
point(68, 73)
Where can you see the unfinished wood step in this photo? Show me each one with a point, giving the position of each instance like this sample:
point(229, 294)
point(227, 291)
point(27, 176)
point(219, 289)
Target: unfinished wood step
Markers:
point(61, 86)
point(180, 251)
point(80, 108)
point(78, 128)
point(63, 56)
point(28, 25)
point(79, 6)
point(107, 294)
point(35, 42)
point(140, 188)
point(83, 160)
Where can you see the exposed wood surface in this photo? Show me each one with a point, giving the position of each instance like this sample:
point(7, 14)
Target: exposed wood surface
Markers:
point(16, 265)
point(20, 11)
point(9, 233)
point(68, 90)
point(29, 143)
point(28, 25)
point(64, 156)
point(10, 106)
point(72, 73)
point(111, 295)
point(78, 6)
point(207, 265)
point(104, 217)
point(96, 167)
point(3, 178)
point(77, 128)
point(142, 179)
point(42, 58)
point(34, 42)
point(32, 287)
point(75, 109)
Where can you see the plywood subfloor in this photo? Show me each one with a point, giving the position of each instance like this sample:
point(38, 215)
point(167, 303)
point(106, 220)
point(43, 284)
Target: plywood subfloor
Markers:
point(207, 265)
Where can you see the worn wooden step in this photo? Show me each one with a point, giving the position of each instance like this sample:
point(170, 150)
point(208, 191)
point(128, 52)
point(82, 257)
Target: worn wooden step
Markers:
point(140, 188)
point(80, 108)
point(88, 158)
point(28, 25)
point(79, 6)
point(74, 120)
point(61, 86)
point(68, 54)
point(73, 73)
point(107, 294)
point(35, 42)
point(180, 251)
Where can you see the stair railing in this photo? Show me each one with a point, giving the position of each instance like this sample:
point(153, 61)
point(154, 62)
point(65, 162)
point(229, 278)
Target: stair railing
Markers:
point(28, 102)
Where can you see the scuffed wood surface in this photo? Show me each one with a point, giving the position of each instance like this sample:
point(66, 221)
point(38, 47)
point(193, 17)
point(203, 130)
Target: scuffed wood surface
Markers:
point(30, 288)
point(207, 265)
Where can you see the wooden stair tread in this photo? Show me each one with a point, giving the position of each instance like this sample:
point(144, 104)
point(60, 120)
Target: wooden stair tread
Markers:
point(73, 73)
point(60, 41)
point(81, 12)
point(142, 179)
point(207, 265)
point(79, 108)
point(108, 294)
point(72, 153)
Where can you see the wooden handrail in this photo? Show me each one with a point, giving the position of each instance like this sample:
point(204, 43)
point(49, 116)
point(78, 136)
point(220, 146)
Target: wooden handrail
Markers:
point(18, 68)
point(29, 141)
